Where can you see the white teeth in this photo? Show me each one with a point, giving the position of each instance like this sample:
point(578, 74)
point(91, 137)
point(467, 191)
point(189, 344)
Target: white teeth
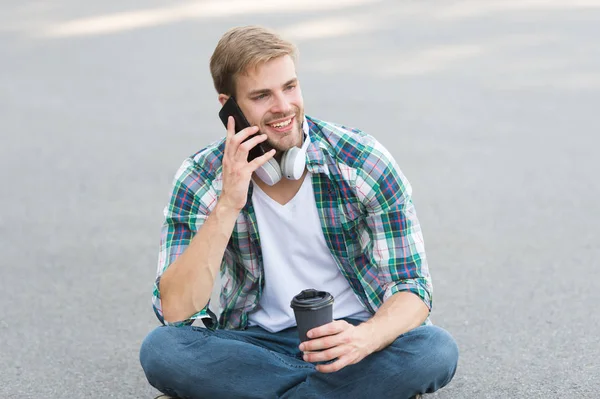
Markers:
point(282, 124)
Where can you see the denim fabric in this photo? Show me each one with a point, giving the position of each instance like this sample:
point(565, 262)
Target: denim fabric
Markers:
point(194, 362)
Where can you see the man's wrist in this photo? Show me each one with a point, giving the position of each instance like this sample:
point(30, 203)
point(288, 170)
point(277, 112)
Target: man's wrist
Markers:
point(376, 341)
point(226, 207)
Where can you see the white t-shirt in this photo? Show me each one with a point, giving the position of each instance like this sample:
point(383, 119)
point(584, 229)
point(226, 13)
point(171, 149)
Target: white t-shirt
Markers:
point(296, 257)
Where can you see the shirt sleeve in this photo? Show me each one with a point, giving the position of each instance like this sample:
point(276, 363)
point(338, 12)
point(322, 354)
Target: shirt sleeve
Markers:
point(398, 249)
point(191, 199)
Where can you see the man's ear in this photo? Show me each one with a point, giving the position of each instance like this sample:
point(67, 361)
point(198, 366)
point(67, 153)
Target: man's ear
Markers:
point(223, 98)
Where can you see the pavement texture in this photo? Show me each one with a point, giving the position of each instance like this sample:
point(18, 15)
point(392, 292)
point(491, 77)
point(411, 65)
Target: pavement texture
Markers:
point(490, 108)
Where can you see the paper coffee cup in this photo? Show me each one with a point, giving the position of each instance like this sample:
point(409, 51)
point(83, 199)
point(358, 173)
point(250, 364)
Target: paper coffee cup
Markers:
point(312, 309)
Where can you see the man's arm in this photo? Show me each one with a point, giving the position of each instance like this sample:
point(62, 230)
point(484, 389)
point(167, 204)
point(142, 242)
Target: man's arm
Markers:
point(350, 344)
point(401, 313)
point(187, 283)
point(398, 249)
point(397, 258)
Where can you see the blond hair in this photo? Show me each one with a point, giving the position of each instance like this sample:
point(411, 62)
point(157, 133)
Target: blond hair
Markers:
point(245, 47)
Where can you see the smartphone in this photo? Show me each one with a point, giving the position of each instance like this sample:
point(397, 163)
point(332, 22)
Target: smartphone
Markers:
point(231, 108)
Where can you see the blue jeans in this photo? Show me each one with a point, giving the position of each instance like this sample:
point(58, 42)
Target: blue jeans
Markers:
point(194, 362)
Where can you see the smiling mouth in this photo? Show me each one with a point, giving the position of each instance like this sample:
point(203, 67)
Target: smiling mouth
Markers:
point(283, 125)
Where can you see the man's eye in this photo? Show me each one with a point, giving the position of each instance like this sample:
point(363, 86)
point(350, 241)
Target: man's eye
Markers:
point(290, 87)
point(260, 97)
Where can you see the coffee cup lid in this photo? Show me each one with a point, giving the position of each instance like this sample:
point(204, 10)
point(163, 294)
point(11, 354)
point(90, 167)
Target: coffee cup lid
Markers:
point(311, 299)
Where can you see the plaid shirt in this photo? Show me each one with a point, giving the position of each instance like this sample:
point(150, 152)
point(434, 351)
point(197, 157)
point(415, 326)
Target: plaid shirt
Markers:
point(366, 212)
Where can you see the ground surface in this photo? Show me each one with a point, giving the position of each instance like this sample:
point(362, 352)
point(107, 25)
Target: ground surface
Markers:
point(490, 108)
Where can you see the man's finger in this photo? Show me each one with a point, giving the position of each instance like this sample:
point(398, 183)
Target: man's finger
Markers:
point(334, 366)
point(234, 139)
point(246, 146)
point(242, 135)
point(229, 135)
point(230, 127)
point(318, 344)
point(334, 327)
point(260, 161)
point(326, 355)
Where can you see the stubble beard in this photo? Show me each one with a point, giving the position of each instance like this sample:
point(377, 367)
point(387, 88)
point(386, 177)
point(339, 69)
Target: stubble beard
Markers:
point(296, 132)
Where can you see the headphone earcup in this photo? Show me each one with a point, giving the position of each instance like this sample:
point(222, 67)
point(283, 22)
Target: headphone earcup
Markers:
point(293, 162)
point(270, 172)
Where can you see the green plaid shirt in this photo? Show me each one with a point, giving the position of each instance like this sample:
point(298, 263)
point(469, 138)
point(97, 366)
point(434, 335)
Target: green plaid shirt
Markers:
point(366, 212)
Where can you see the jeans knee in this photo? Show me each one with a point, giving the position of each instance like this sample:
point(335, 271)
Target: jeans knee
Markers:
point(429, 357)
point(148, 350)
point(155, 351)
point(444, 352)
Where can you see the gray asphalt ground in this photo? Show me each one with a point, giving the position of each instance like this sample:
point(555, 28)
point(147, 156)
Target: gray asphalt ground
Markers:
point(490, 107)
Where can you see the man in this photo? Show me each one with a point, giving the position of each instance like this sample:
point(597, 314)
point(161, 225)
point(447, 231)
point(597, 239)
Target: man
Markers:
point(346, 226)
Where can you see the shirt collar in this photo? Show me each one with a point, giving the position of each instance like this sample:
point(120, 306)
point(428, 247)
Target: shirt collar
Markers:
point(315, 160)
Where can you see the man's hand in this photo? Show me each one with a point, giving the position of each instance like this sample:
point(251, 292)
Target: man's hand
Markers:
point(237, 171)
point(338, 339)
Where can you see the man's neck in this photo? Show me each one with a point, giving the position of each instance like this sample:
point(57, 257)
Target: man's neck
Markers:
point(282, 191)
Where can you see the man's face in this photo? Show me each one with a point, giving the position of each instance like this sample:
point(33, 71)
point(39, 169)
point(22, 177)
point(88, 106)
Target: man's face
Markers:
point(270, 98)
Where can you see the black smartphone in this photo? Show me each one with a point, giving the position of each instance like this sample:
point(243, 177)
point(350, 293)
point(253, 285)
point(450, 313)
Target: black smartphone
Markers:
point(231, 108)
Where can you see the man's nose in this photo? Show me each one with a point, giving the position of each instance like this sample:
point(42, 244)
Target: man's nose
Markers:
point(281, 105)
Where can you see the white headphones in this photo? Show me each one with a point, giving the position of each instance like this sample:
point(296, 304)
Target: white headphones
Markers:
point(292, 165)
